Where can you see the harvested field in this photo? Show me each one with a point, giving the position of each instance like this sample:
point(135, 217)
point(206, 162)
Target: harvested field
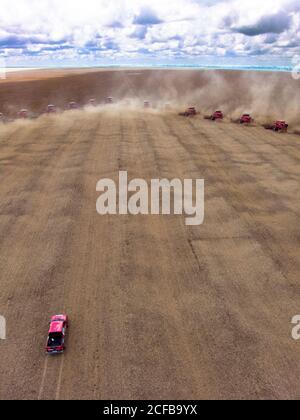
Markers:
point(158, 310)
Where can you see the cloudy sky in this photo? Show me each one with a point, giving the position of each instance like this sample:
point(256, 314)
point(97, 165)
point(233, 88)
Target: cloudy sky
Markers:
point(99, 32)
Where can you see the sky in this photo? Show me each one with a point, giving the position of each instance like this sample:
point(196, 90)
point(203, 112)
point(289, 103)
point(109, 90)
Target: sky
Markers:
point(117, 32)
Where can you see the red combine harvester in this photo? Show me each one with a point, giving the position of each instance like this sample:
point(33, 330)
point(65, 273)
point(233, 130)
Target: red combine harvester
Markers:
point(216, 116)
point(23, 114)
point(190, 112)
point(278, 126)
point(51, 109)
point(246, 119)
point(73, 105)
point(57, 334)
point(109, 100)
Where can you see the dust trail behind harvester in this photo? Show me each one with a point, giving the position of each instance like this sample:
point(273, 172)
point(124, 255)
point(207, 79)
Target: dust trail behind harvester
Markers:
point(267, 96)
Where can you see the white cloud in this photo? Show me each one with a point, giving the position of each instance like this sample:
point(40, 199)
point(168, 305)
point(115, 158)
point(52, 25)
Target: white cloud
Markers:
point(66, 29)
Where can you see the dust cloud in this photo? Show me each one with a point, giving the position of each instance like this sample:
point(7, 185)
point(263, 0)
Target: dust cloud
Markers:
point(266, 96)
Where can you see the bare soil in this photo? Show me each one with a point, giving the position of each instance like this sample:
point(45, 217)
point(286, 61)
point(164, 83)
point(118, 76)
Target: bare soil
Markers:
point(158, 310)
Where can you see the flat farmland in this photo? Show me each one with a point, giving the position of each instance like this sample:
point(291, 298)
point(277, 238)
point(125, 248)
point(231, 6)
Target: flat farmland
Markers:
point(158, 309)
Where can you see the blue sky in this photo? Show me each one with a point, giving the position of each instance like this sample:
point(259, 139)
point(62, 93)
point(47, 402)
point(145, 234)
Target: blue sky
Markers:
point(102, 32)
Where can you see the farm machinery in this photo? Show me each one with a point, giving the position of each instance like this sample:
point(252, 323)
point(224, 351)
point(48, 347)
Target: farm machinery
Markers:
point(246, 119)
point(73, 105)
point(23, 114)
point(278, 126)
point(189, 112)
point(51, 109)
point(216, 116)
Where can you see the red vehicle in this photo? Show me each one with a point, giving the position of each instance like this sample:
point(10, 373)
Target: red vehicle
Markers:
point(23, 114)
point(246, 119)
point(57, 334)
point(51, 109)
point(73, 105)
point(218, 115)
point(278, 126)
point(190, 112)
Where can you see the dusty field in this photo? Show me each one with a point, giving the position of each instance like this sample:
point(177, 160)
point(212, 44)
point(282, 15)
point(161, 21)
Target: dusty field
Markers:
point(267, 96)
point(158, 310)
